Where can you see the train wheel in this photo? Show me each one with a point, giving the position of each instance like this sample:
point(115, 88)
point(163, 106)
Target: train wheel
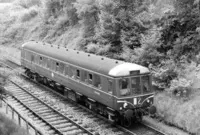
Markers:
point(45, 81)
point(126, 122)
point(35, 77)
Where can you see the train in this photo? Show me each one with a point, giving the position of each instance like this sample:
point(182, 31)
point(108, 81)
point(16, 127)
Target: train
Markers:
point(118, 90)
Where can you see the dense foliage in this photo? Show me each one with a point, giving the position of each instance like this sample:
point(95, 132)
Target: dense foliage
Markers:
point(163, 35)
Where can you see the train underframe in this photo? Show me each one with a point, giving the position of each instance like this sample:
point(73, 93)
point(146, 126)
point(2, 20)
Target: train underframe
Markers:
point(125, 117)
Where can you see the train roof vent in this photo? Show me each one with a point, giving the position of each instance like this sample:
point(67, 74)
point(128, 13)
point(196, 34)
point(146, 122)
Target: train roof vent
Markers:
point(102, 58)
point(116, 62)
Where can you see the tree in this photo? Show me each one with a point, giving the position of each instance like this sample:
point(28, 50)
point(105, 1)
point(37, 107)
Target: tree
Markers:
point(87, 11)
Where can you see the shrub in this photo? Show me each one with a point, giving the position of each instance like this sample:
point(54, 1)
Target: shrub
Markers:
point(92, 48)
point(104, 49)
point(180, 87)
point(8, 127)
point(179, 112)
point(29, 14)
point(28, 3)
point(62, 22)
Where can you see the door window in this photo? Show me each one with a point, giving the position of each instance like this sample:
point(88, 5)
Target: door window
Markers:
point(124, 87)
point(135, 85)
point(145, 84)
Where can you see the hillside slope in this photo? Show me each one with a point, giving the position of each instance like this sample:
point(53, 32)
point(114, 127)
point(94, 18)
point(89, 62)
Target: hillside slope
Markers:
point(160, 34)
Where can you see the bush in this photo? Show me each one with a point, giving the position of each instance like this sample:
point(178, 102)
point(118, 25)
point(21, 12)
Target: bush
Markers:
point(92, 48)
point(8, 127)
point(29, 14)
point(180, 87)
point(28, 3)
point(180, 112)
point(62, 22)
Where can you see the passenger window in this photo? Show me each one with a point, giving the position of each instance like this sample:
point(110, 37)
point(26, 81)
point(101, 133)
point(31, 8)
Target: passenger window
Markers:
point(57, 67)
point(135, 85)
point(48, 63)
point(124, 87)
point(40, 61)
point(72, 72)
point(145, 84)
point(61, 70)
point(78, 74)
point(97, 81)
point(90, 78)
point(66, 70)
point(84, 78)
point(110, 86)
point(32, 58)
point(44, 61)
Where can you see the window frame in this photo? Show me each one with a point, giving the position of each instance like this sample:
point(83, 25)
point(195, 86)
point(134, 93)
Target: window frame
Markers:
point(90, 81)
point(127, 91)
point(110, 87)
point(78, 74)
point(57, 66)
point(40, 60)
point(96, 83)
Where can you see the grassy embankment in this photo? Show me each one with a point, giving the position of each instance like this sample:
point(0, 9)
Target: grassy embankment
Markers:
point(24, 20)
point(7, 126)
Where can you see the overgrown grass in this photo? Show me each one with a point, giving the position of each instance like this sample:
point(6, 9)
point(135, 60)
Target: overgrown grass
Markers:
point(180, 112)
point(8, 127)
point(28, 3)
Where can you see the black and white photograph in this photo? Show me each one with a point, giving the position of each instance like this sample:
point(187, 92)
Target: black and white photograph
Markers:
point(99, 67)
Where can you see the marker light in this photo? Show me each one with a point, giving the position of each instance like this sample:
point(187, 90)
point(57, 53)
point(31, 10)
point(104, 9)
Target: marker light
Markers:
point(125, 105)
point(135, 101)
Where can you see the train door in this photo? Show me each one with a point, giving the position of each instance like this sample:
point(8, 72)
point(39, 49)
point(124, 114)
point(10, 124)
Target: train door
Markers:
point(22, 56)
point(33, 62)
point(111, 91)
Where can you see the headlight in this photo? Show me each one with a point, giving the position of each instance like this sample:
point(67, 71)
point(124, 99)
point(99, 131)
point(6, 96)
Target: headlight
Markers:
point(135, 101)
point(125, 105)
point(148, 100)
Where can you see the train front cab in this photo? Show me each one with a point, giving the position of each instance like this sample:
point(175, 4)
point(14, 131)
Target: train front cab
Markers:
point(134, 97)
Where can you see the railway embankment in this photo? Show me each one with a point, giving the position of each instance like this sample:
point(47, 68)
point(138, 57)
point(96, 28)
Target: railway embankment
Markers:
point(7, 126)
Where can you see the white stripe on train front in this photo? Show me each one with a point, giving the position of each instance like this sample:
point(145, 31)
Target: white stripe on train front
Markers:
point(125, 103)
point(147, 99)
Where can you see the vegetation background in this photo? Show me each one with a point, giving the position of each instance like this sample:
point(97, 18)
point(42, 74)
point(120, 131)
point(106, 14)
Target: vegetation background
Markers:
point(160, 34)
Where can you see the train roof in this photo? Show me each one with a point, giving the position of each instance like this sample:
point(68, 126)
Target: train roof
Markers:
point(99, 64)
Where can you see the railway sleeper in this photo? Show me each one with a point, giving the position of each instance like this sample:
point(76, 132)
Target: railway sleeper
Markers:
point(59, 122)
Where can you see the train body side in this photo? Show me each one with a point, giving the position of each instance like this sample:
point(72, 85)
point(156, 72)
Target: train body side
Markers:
point(93, 76)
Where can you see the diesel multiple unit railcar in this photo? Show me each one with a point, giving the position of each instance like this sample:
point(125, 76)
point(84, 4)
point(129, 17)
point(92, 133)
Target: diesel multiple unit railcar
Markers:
point(119, 90)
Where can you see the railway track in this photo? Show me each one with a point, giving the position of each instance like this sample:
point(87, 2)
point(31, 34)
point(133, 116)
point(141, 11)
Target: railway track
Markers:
point(54, 121)
point(139, 129)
